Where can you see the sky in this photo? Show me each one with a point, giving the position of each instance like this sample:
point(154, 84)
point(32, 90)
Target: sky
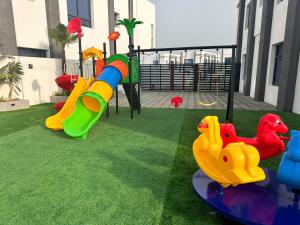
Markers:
point(195, 22)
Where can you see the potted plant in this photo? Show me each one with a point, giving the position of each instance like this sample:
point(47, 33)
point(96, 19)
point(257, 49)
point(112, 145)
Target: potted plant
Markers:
point(63, 38)
point(11, 75)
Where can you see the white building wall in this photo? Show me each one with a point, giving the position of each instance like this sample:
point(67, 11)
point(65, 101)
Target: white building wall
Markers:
point(31, 24)
point(277, 36)
point(244, 49)
point(38, 83)
point(258, 18)
point(121, 7)
point(254, 65)
point(94, 36)
point(257, 31)
point(296, 107)
point(144, 10)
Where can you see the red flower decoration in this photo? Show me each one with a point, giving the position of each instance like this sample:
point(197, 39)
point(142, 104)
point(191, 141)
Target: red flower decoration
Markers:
point(176, 101)
point(113, 36)
point(74, 26)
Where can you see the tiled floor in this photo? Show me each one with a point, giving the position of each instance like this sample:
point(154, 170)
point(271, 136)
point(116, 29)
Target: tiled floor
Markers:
point(191, 100)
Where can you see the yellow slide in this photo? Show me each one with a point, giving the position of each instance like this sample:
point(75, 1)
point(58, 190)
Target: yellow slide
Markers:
point(55, 122)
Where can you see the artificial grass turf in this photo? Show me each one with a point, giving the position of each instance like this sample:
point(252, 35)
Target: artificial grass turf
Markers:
point(126, 172)
point(14, 121)
point(118, 175)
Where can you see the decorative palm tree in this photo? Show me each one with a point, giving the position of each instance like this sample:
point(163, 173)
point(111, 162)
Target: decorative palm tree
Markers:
point(11, 74)
point(63, 38)
point(129, 24)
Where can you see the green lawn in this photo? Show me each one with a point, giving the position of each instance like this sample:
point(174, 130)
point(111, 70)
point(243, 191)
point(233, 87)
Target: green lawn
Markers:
point(126, 172)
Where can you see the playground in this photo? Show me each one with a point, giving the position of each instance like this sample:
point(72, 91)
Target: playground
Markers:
point(48, 178)
point(177, 145)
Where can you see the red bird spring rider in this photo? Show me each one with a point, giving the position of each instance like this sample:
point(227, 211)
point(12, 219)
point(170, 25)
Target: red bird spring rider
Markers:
point(176, 101)
point(267, 140)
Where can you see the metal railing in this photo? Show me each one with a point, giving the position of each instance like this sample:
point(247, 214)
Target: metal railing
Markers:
point(171, 81)
point(204, 77)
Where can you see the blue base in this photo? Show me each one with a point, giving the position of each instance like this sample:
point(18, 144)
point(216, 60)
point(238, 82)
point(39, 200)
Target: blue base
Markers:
point(267, 202)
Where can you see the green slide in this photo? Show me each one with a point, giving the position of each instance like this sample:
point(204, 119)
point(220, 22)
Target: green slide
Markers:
point(84, 117)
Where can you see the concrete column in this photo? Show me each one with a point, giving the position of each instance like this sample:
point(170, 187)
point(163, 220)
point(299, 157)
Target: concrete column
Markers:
point(130, 13)
point(250, 48)
point(263, 52)
point(53, 18)
point(111, 22)
point(239, 39)
point(290, 59)
point(194, 57)
point(7, 29)
point(130, 9)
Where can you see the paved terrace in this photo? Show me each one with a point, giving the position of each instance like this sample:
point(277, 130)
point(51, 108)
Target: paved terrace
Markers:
point(191, 100)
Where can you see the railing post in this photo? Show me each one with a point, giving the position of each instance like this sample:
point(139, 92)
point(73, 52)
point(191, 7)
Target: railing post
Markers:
point(105, 62)
point(211, 74)
point(131, 47)
point(229, 113)
point(117, 90)
point(195, 78)
point(172, 77)
point(183, 76)
point(94, 65)
point(80, 57)
point(139, 79)
point(160, 77)
point(150, 78)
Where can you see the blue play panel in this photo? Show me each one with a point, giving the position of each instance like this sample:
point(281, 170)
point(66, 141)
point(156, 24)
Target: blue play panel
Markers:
point(267, 202)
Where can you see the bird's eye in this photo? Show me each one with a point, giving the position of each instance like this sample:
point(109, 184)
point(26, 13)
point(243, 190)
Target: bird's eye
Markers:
point(278, 122)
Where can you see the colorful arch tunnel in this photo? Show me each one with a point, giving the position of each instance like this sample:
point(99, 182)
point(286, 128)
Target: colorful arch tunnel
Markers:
point(92, 103)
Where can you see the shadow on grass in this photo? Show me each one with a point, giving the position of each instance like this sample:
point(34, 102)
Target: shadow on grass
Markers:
point(182, 206)
point(139, 176)
point(157, 123)
point(151, 157)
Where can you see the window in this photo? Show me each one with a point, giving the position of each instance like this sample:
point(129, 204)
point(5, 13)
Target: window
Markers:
point(116, 18)
point(31, 52)
point(277, 64)
point(188, 61)
point(247, 19)
point(81, 9)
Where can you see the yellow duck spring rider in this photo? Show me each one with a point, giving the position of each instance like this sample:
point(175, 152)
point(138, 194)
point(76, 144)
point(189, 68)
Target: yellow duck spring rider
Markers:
point(235, 164)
